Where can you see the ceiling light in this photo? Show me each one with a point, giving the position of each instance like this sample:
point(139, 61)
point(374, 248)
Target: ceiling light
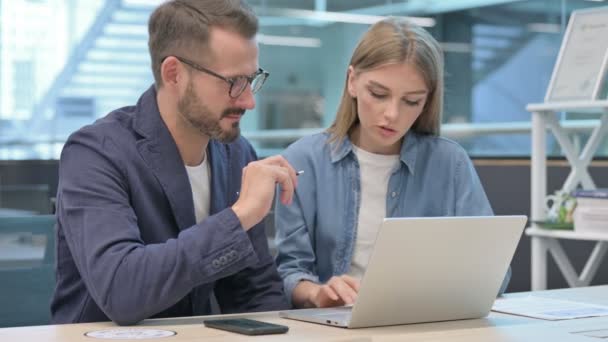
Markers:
point(289, 41)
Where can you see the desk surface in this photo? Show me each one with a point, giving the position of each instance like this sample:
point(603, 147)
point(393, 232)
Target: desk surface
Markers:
point(495, 327)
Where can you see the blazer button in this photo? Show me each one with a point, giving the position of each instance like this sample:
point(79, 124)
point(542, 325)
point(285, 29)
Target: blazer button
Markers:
point(223, 260)
point(233, 254)
point(215, 263)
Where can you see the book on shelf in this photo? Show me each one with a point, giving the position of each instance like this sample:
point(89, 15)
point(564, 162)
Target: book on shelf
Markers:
point(591, 213)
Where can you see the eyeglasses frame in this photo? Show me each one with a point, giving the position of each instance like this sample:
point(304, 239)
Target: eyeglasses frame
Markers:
point(230, 80)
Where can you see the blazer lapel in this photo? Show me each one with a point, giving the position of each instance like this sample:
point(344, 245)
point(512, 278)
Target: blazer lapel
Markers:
point(221, 192)
point(160, 152)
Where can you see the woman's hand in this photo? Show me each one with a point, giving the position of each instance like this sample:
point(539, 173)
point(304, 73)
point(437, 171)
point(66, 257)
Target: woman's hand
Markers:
point(338, 291)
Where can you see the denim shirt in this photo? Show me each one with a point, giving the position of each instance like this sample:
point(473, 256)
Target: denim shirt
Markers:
point(316, 234)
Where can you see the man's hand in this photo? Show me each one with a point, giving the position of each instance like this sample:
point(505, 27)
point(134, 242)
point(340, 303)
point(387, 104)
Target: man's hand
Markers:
point(338, 291)
point(258, 186)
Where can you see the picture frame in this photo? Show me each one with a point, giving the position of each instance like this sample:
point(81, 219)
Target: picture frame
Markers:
point(578, 74)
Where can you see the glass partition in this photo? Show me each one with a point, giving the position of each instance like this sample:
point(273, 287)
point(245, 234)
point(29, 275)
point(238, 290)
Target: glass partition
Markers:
point(72, 62)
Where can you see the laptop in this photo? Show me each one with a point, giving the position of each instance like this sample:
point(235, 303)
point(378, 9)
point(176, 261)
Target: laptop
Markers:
point(428, 269)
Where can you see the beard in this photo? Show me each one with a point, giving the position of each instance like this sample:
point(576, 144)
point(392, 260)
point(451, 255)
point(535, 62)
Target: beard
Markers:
point(199, 116)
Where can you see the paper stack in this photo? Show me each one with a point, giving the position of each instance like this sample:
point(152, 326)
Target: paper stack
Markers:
point(591, 213)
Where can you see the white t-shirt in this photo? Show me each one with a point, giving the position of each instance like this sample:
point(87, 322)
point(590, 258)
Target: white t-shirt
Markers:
point(200, 181)
point(376, 170)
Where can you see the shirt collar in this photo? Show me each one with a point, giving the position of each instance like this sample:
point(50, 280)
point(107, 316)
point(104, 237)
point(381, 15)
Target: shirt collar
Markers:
point(408, 154)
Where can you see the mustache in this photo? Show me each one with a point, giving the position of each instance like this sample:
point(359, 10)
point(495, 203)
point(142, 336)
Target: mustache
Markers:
point(233, 111)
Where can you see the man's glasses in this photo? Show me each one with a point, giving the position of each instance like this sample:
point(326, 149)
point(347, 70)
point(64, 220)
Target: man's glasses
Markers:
point(237, 83)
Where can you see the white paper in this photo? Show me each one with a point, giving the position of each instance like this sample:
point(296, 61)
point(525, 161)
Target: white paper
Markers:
point(547, 308)
point(130, 334)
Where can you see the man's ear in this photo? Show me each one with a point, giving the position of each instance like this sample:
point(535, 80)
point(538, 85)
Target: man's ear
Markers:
point(170, 71)
point(350, 83)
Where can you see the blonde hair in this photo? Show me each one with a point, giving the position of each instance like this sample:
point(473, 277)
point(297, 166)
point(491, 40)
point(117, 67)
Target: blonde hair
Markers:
point(395, 40)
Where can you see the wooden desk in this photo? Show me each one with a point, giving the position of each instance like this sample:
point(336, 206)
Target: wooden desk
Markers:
point(496, 327)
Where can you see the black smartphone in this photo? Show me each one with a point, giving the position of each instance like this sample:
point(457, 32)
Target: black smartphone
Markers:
point(246, 326)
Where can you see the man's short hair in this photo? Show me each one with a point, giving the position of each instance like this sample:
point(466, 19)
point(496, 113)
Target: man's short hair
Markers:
point(180, 26)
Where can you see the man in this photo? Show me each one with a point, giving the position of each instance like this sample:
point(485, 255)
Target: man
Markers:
point(159, 204)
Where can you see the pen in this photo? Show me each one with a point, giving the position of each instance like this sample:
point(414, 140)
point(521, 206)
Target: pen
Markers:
point(297, 174)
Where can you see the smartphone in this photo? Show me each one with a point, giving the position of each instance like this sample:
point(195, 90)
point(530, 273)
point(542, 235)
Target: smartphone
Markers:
point(246, 326)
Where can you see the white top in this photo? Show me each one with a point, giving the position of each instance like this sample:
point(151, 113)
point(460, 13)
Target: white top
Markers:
point(376, 170)
point(200, 182)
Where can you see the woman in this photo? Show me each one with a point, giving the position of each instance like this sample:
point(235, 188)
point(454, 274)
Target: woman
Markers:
point(382, 157)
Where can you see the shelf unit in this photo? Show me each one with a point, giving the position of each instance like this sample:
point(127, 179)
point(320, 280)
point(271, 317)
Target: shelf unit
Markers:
point(545, 116)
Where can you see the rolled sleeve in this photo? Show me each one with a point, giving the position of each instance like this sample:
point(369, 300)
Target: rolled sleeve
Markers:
point(295, 254)
point(291, 281)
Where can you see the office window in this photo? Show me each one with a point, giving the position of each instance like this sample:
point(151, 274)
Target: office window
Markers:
point(73, 61)
point(22, 92)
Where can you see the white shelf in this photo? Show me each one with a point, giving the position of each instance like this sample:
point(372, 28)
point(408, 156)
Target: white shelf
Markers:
point(567, 234)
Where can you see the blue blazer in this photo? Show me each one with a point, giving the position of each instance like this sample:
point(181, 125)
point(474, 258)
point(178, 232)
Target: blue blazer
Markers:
point(128, 246)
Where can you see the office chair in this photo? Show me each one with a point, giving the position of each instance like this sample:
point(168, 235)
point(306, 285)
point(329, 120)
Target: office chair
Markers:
point(26, 280)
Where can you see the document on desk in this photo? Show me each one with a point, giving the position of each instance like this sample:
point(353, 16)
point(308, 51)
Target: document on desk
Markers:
point(548, 308)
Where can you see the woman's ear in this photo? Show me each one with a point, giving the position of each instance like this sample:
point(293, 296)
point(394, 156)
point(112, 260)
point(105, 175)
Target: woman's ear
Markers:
point(351, 80)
